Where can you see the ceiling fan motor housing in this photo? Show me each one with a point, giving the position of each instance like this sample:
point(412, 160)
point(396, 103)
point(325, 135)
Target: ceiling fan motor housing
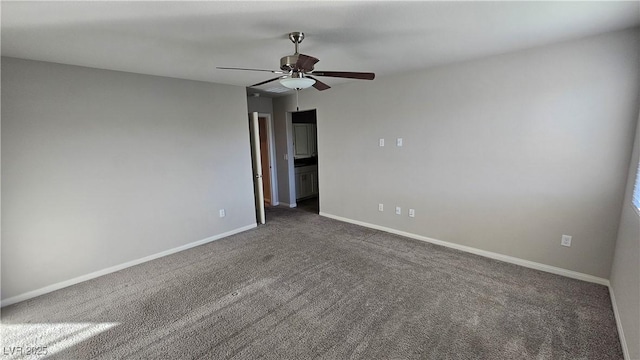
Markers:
point(288, 63)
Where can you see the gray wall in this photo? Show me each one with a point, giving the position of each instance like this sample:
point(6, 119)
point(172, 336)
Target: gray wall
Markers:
point(260, 104)
point(503, 154)
point(625, 272)
point(102, 167)
point(282, 106)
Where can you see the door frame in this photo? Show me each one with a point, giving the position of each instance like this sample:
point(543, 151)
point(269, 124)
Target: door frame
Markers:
point(271, 142)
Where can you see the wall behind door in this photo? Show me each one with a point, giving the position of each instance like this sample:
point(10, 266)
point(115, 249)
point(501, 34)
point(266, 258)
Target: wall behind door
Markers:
point(260, 104)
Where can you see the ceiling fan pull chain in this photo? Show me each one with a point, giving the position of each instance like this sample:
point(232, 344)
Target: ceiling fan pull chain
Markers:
point(297, 91)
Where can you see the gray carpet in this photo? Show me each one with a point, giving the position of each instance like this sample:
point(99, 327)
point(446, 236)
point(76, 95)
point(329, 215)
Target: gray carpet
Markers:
point(305, 287)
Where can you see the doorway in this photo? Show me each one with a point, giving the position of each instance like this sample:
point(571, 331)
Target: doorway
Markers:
point(265, 159)
point(305, 146)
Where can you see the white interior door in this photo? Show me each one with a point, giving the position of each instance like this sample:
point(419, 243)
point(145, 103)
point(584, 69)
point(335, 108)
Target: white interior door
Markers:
point(254, 130)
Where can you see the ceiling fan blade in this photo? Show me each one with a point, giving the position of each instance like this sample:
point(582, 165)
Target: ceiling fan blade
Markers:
point(234, 68)
point(266, 81)
point(319, 85)
point(305, 62)
point(345, 74)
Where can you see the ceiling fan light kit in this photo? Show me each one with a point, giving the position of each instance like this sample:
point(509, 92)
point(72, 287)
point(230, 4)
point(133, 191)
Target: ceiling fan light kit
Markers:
point(299, 68)
point(297, 83)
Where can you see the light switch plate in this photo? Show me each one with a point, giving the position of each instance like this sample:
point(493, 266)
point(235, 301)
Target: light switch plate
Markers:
point(412, 213)
point(381, 142)
point(398, 210)
point(399, 142)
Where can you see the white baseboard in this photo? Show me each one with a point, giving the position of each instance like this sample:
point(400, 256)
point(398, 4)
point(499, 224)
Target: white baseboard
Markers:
point(93, 275)
point(492, 255)
point(289, 205)
point(623, 340)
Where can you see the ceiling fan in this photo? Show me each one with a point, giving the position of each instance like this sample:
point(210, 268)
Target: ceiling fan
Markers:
point(297, 70)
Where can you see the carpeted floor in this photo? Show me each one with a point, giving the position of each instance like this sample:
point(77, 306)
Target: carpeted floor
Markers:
point(304, 287)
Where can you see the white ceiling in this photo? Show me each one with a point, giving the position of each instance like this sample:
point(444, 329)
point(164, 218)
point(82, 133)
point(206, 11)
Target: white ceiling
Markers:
point(189, 39)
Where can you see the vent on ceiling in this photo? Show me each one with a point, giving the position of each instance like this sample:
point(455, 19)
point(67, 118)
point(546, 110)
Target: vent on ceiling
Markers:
point(277, 89)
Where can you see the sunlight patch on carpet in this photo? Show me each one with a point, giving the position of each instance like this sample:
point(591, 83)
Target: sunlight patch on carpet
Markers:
point(33, 341)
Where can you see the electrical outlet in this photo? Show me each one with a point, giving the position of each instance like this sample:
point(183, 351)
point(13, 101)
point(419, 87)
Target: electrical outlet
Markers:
point(398, 210)
point(412, 213)
point(222, 213)
point(399, 142)
point(380, 207)
point(381, 142)
point(566, 240)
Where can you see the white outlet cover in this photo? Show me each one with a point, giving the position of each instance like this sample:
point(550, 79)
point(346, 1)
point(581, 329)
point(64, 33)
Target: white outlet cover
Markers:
point(399, 142)
point(380, 207)
point(566, 240)
point(222, 213)
point(398, 210)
